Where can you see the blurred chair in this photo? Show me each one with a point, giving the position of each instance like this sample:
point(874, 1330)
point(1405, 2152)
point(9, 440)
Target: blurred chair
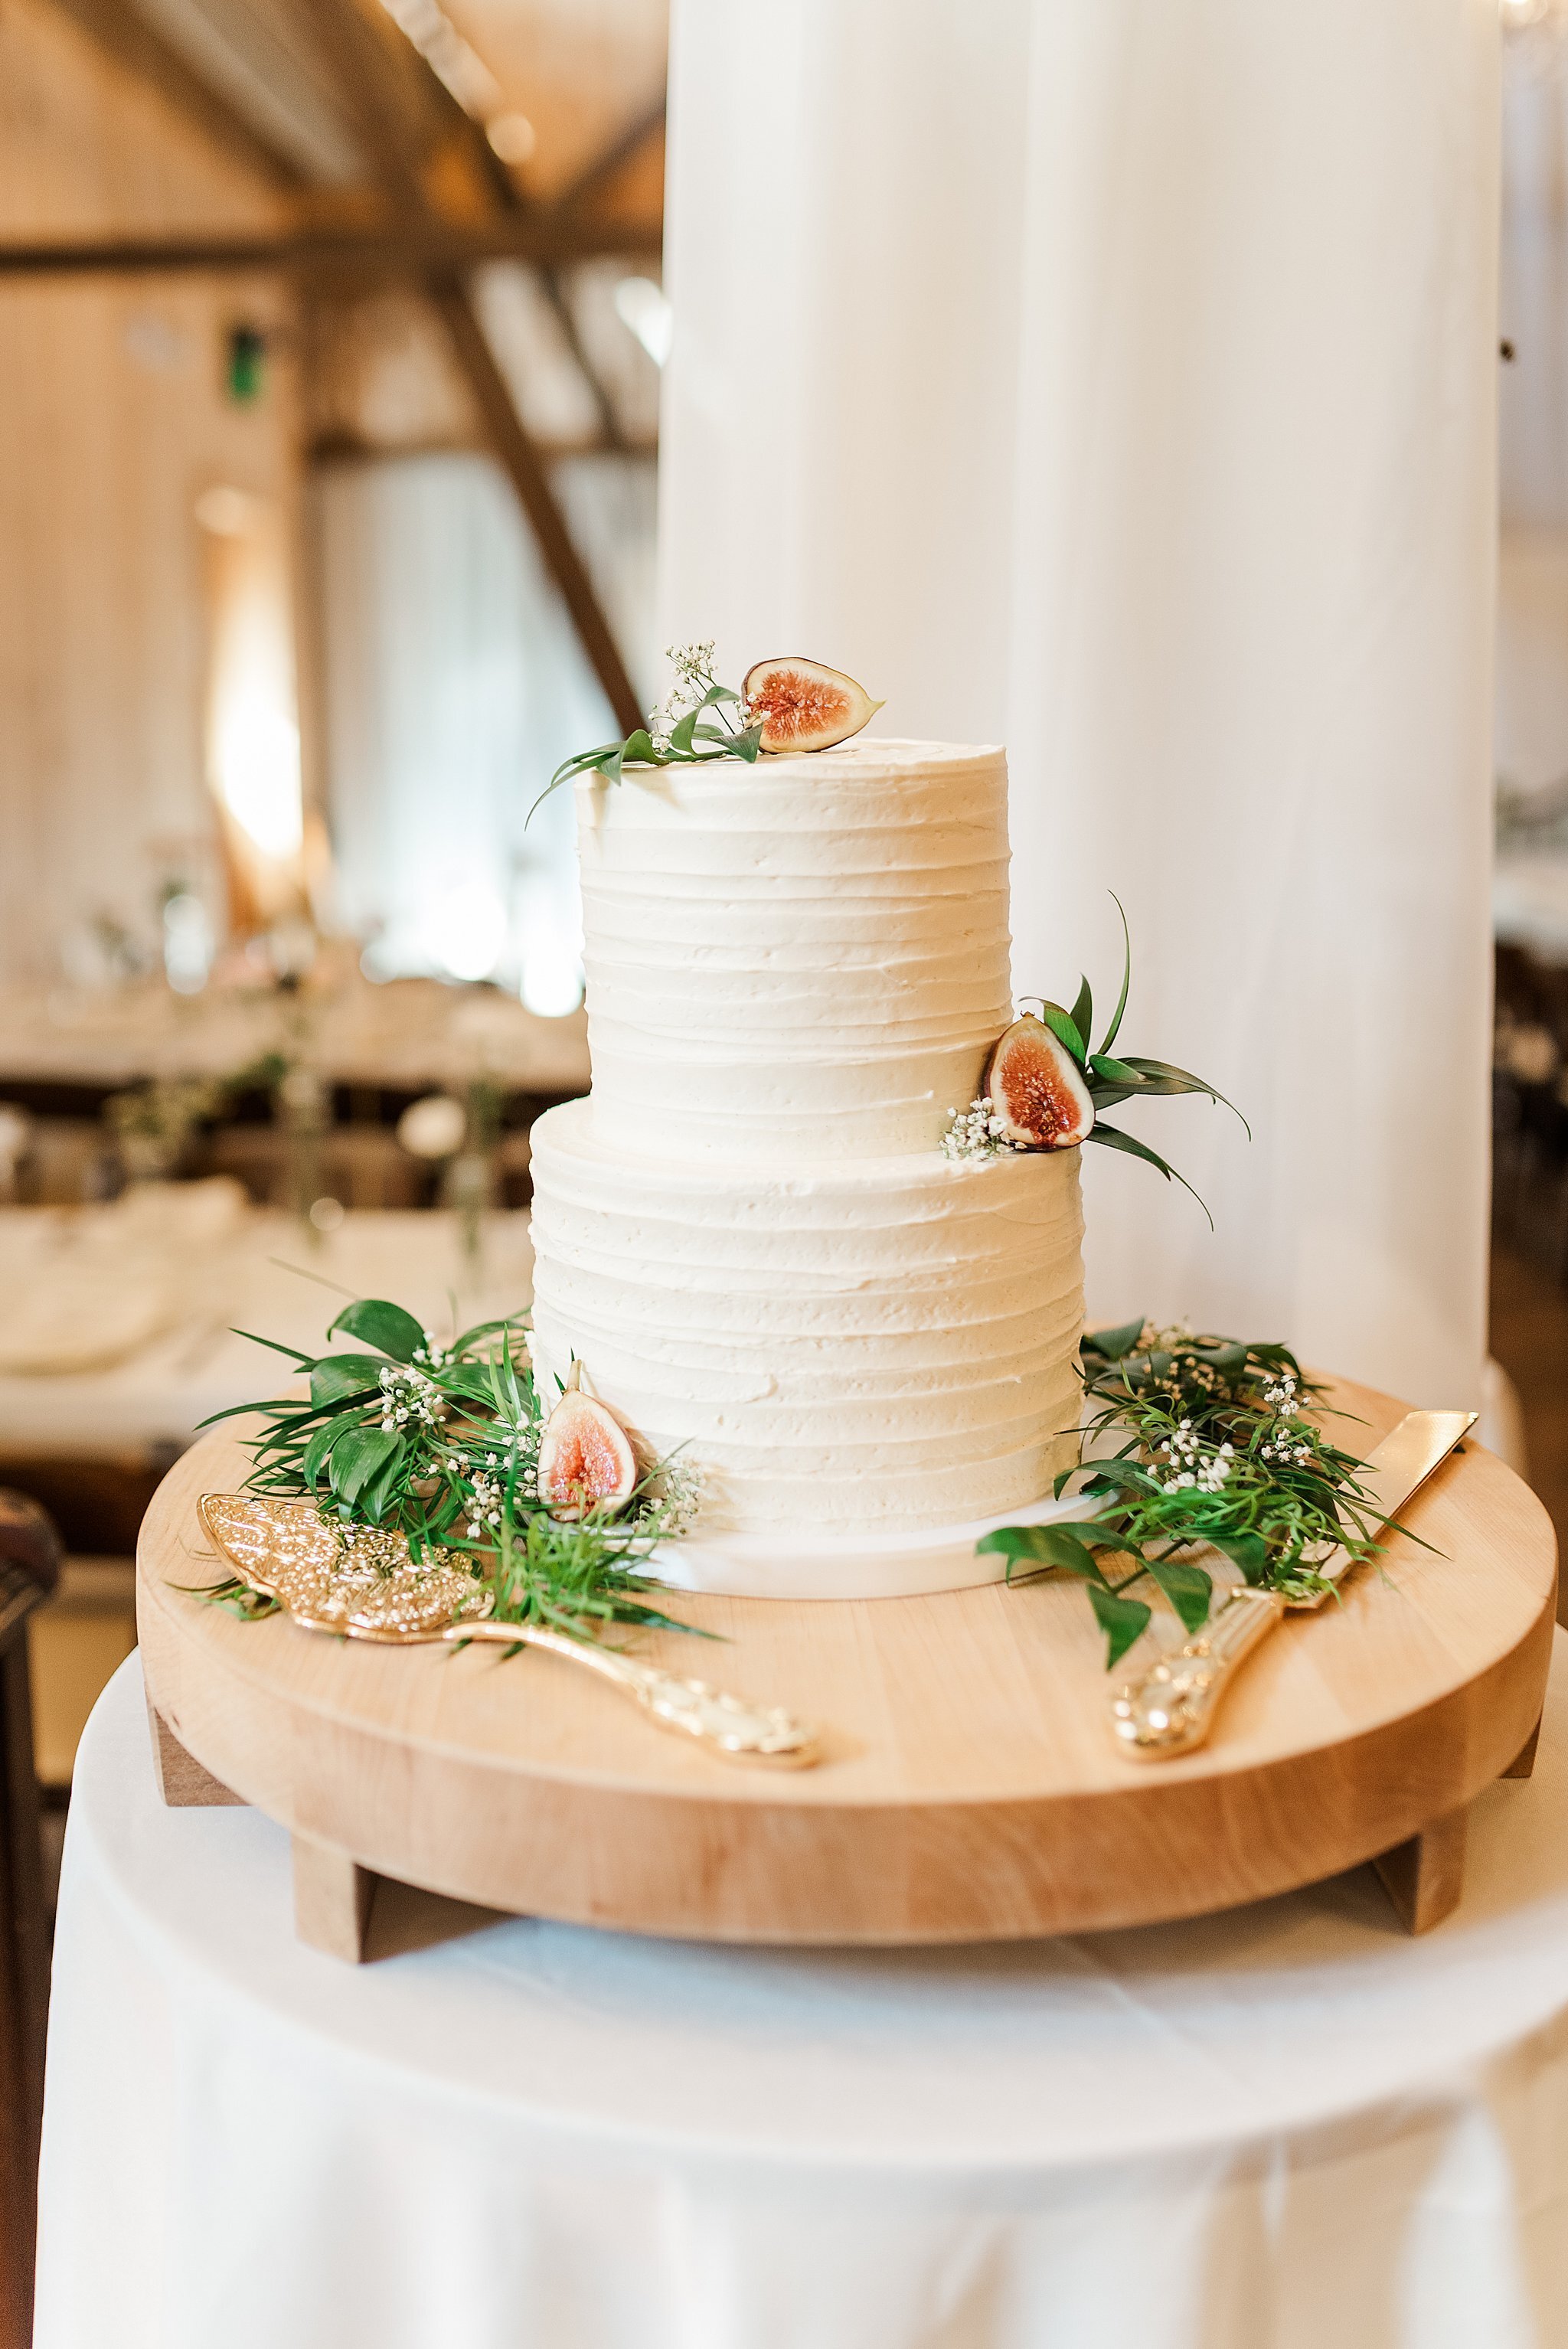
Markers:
point(29, 1569)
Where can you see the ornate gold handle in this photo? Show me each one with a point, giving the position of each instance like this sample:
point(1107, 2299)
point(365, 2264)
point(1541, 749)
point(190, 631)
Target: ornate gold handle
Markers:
point(1169, 1707)
point(729, 1725)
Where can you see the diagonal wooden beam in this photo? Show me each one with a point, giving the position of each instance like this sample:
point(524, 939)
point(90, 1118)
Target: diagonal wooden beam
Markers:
point(360, 70)
point(516, 450)
point(493, 176)
point(131, 41)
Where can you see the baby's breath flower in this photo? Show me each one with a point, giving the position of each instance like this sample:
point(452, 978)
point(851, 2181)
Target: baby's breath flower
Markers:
point(977, 1132)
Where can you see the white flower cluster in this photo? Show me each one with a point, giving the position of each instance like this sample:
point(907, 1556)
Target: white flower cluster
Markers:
point(410, 1395)
point(977, 1132)
point(434, 1356)
point(1192, 1470)
point(484, 1508)
point(694, 676)
point(678, 1498)
point(1288, 1443)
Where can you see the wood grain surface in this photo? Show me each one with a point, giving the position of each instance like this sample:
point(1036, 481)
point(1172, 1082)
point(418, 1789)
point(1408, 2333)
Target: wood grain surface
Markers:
point(971, 1789)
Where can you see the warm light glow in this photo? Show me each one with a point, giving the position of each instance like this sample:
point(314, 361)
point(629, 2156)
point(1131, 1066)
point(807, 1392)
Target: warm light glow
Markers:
point(253, 727)
point(1523, 12)
point(512, 136)
point(644, 308)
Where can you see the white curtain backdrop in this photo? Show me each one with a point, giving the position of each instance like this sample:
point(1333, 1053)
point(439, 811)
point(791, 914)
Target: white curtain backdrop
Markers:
point(1533, 577)
point(454, 686)
point(1115, 378)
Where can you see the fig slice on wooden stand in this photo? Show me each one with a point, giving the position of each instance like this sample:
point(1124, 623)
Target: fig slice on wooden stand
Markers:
point(802, 706)
point(585, 1458)
point(1037, 1088)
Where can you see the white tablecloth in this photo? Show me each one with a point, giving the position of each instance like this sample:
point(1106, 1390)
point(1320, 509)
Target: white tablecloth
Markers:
point(1283, 2129)
point(191, 1363)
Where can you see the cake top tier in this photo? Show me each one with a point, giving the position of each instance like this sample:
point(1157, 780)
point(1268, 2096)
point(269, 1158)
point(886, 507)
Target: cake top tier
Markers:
point(806, 958)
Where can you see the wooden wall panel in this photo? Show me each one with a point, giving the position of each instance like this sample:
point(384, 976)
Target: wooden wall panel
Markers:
point(113, 419)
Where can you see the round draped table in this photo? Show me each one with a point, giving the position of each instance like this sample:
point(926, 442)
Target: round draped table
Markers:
point(1288, 2125)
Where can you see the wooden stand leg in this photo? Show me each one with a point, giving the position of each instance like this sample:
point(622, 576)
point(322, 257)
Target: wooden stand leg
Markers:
point(1523, 1763)
point(332, 1899)
point(183, 1784)
point(1424, 1877)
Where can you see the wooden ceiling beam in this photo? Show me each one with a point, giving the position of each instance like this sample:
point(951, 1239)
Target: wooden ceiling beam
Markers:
point(361, 70)
point(127, 37)
point(515, 449)
point(396, 249)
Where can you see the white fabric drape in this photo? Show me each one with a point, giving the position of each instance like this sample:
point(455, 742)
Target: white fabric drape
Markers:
point(1115, 378)
point(1286, 2126)
point(1532, 572)
point(454, 686)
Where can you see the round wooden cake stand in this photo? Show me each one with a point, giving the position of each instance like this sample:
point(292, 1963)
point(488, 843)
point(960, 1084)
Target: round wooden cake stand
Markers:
point(970, 1787)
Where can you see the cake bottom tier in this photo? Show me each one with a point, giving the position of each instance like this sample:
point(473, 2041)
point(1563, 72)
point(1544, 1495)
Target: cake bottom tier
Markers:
point(888, 1344)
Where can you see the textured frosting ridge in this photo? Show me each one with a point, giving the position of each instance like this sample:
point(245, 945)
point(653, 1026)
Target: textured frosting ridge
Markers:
point(889, 1344)
point(749, 1234)
point(809, 955)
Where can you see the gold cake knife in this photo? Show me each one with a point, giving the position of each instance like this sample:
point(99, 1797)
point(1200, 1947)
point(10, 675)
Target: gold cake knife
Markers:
point(1169, 1707)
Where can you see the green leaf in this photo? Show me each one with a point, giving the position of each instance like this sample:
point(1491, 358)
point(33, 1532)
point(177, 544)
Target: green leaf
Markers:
point(581, 763)
point(381, 1324)
point(681, 733)
point(356, 1457)
point(1160, 1076)
point(638, 747)
point(1119, 1072)
point(1190, 1590)
point(1108, 1038)
point(304, 1361)
point(1121, 1620)
point(374, 1496)
point(1042, 1546)
point(1114, 1139)
point(1249, 1551)
point(1114, 1343)
point(1063, 1025)
point(1082, 1013)
point(336, 1376)
point(733, 746)
point(321, 1443)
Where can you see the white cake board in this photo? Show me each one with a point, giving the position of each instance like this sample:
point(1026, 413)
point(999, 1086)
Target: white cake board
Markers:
point(848, 1566)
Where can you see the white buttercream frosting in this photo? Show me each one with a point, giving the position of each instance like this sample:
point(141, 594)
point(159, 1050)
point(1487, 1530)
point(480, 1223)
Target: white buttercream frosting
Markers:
point(890, 1342)
point(750, 1237)
point(805, 958)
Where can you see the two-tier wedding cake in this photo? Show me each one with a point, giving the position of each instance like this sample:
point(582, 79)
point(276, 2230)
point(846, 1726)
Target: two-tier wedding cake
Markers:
point(748, 1235)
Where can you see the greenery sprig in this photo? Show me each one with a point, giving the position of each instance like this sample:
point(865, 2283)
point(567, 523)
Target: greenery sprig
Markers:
point(441, 1442)
point(982, 1130)
point(675, 733)
point(1112, 1079)
point(1218, 1452)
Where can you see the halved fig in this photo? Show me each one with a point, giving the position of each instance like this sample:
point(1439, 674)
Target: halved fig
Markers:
point(585, 1459)
point(1037, 1088)
point(803, 705)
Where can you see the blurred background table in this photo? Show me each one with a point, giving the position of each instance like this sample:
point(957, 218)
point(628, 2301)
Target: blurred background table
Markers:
point(1291, 2124)
point(117, 1340)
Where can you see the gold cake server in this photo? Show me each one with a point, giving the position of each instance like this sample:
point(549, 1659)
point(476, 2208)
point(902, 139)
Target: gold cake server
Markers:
point(363, 1583)
point(1169, 1707)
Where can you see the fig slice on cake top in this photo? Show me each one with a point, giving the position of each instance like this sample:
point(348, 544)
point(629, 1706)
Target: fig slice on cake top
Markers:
point(585, 1459)
point(803, 705)
point(1037, 1089)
